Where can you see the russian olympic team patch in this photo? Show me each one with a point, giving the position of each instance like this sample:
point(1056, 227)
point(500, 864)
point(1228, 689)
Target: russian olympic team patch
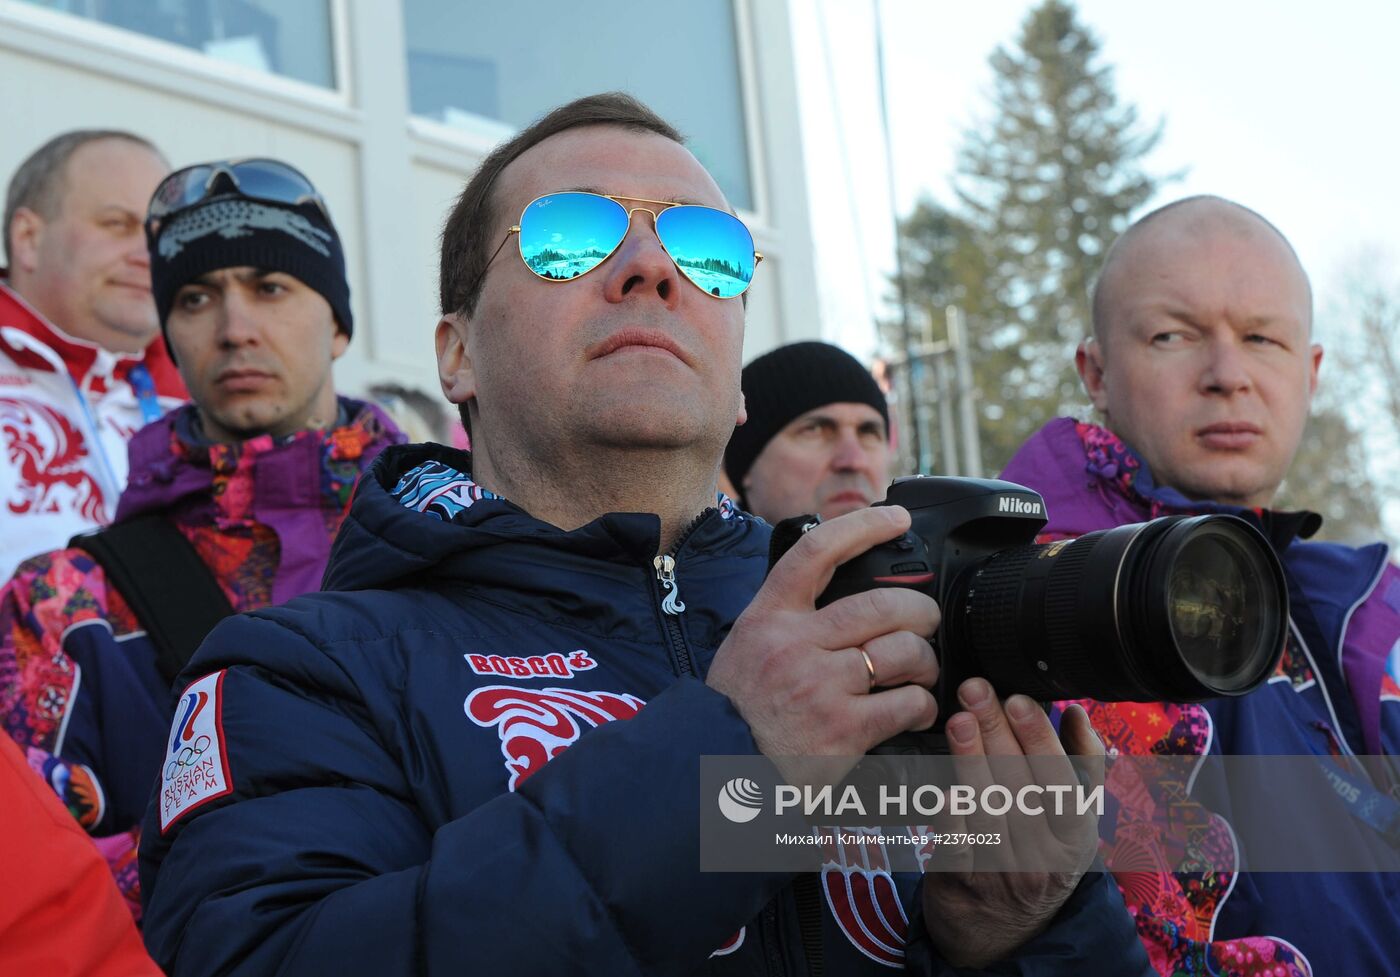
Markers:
point(196, 763)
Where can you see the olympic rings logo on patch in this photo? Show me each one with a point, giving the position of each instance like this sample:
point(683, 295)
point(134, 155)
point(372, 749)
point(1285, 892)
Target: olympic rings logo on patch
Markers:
point(196, 765)
point(187, 756)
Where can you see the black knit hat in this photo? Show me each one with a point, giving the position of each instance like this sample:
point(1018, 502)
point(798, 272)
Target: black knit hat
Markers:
point(232, 231)
point(784, 384)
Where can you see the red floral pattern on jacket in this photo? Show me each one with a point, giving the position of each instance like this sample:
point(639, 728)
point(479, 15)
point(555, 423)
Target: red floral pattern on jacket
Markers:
point(51, 593)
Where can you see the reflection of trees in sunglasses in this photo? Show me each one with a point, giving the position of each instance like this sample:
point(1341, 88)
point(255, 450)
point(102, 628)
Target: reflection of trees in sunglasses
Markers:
point(718, 266)
point(551, 255)
point(561, 265)
point(720, 278)
point(714, 275)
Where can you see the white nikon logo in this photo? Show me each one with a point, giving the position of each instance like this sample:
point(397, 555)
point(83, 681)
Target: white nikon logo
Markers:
point(1011, 503)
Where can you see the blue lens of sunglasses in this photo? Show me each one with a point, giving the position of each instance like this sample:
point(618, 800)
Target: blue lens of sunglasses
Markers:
point(710, 247)
point(564, 235)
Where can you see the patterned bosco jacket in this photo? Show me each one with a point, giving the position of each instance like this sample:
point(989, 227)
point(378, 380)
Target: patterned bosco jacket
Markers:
point(1331, 696)
point(478, 750)
point(79, 686)
point(67, 409)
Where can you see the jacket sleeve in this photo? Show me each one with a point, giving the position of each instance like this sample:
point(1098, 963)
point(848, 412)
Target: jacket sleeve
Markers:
point(1174, 913)
point(39, 686)
point(59, 913)
point(322, 858)
point(1091, 936)
point(37, 680)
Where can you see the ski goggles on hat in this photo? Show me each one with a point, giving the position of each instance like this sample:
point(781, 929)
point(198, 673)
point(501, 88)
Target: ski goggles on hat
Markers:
point(566, 235)
point(266, 180)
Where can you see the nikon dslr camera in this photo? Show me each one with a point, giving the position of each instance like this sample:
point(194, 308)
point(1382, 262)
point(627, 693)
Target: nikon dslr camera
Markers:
point(1177, 609)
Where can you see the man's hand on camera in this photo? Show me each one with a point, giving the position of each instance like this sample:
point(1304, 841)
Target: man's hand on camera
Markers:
point(982, 904)
point(802, 677)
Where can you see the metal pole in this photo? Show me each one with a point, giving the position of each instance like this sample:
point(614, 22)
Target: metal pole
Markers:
point(912, 371)
point(967, 393)
point(945, 419)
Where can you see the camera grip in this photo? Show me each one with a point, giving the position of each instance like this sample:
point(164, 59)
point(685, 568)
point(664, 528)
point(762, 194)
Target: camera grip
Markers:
point(900, 562)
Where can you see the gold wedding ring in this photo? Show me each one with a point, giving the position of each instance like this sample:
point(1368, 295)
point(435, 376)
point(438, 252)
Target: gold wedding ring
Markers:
point(869, 666)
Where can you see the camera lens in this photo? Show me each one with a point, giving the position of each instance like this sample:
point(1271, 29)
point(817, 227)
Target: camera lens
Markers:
point(1213, 621)
point(1180, 609)
point(1225, 611)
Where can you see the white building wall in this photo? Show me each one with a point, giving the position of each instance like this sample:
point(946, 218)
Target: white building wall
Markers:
point(387, 178)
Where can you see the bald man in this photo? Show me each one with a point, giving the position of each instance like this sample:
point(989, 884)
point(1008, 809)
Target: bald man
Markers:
point(1202, 367)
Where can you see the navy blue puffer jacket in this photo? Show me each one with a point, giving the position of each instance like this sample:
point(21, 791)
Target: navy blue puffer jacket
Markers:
point(419, 771)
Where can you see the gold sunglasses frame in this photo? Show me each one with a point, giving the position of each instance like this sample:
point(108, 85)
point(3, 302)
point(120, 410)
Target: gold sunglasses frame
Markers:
point(665, 206)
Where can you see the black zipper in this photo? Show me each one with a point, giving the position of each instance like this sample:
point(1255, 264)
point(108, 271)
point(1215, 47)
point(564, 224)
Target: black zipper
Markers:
point(667, 590)
point(668, 595)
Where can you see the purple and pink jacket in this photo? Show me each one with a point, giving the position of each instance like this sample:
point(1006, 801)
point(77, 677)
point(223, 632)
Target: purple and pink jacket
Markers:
point(79, 688)
point(1331, 695)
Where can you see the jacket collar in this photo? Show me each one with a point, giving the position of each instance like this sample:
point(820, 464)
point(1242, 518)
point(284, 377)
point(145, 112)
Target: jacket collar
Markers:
point(437, 488)
point(1093, 456)
point(166, 468)
point(421, 501)
point(297, 487)
point(37, 344)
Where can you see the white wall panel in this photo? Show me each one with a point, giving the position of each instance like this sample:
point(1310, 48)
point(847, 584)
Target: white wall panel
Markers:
point(388, 179)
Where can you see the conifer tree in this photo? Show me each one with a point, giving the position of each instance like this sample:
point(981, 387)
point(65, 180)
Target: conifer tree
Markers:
point(1043, 187)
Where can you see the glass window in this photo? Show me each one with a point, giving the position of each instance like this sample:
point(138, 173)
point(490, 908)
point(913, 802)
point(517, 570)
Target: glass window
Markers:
point(513, 62)
point(291, 38)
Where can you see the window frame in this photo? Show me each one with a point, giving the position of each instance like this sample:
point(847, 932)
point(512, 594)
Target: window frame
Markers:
point(132, 56)
point(482, 133)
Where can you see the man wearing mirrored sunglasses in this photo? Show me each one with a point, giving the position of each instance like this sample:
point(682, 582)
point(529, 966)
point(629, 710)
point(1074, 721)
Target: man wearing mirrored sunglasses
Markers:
point(82, 364)
point(233, 501)
point(479, 748)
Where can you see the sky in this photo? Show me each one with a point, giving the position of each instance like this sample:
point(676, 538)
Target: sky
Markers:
point(1289, 107)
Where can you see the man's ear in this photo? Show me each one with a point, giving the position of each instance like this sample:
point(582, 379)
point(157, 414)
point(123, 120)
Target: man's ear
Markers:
point(455, 371)
point(339, 344)
point(1088, 360)
point(743, 410)
point(1315, 357)
point(26, 232)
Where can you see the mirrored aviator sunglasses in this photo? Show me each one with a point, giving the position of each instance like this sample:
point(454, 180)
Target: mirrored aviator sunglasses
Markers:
point(267, 180)
point(566, 235)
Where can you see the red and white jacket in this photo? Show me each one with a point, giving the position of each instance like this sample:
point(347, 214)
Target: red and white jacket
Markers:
point(67, 409)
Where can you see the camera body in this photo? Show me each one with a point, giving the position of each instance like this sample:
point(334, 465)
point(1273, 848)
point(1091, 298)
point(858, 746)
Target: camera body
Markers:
point(957, 524)
point(1180, 608)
